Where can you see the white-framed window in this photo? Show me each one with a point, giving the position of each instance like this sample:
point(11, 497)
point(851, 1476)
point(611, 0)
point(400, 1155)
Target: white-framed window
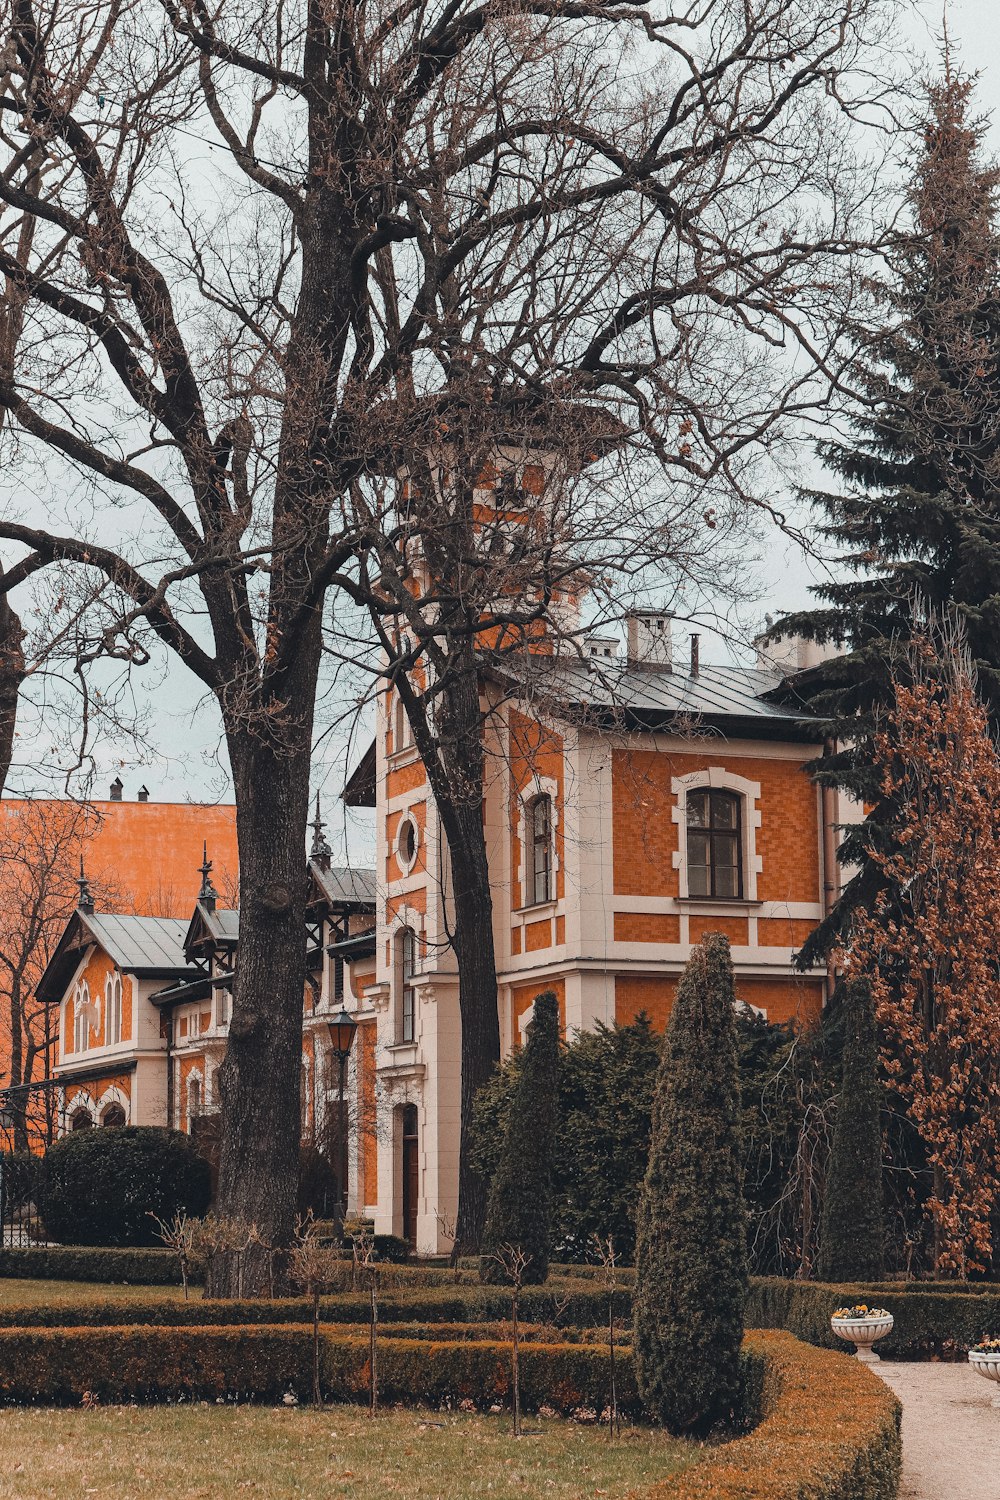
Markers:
point(81, 1017)
point(718, 814)
point(402, 738)
point(407, 842)
point(540, 861)
point(715, 843)
point(406, 964)
point(113, 1009)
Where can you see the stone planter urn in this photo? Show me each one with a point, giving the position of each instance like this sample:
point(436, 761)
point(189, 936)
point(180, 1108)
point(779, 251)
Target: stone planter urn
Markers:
point(986, 1362)
point(862, 1327)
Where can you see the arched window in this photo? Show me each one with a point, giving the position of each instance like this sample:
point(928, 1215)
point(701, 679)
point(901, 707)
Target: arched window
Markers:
point(540, 841)
point(407, 961)
point(113, 1117)
point(401, 737)
point(715, 843)
point(113, 1009)
point(194, 1100)
point(81, 1018)
point(80, 1119)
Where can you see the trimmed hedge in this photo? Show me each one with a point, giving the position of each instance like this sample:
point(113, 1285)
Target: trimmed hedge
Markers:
point(146, 1267)
point(60, 1365)
point(829, 1430)
point(474, 1305)
point(932, 1320)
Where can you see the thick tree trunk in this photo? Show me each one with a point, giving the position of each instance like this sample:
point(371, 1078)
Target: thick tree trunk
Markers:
point(477, 999)
point(456, 775)
point(260, 1078)
point(12, 674)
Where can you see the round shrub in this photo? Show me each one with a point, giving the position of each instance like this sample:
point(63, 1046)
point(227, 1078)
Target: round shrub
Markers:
point(100, 1187)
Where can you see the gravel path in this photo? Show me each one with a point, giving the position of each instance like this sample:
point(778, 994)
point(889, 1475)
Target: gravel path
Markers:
point(951, 1431)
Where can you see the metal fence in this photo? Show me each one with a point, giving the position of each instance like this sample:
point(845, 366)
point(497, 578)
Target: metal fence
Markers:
point(31, 1118)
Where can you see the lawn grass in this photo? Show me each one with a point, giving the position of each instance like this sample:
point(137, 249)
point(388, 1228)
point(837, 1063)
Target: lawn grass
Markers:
point(213, 1453)
point(15, 1292)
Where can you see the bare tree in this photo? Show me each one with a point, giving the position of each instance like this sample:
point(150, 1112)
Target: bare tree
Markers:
point(40, 844)
point(227, 363)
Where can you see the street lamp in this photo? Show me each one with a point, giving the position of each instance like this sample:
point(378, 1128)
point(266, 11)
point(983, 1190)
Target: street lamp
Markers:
point(342, 1029)
point(6, 1126)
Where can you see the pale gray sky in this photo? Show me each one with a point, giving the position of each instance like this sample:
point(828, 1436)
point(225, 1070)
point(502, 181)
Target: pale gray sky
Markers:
point(184, 759)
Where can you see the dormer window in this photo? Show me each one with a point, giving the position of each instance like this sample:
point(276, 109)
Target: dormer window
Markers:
point(715, 844)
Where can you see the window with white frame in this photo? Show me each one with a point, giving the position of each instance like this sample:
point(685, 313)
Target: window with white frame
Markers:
point(81, 1017)
point(715, 843)
point(113, 1009)
point(406, 960)
point(401, 735)
point(540, 862)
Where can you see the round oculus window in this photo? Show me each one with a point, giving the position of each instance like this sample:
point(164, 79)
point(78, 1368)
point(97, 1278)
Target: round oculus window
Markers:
point(407, 842)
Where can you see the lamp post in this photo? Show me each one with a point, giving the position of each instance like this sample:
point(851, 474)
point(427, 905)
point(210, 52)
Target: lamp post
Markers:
point(342, 1031)
point(6, 1125)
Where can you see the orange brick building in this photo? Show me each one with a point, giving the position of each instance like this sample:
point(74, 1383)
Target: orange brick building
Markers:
point(662, 801)
point(141, 856)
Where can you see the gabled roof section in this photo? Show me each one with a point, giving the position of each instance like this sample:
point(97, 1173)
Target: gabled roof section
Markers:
point(343, 886)
point(360, 788)
point(149, 947)
point(219, 928)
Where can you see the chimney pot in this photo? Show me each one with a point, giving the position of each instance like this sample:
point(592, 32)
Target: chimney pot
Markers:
point(144, 794)
point(116, 789)
point(695, 654)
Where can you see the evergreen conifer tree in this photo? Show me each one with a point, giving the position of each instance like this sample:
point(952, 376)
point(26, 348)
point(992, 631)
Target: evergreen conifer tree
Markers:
point(519, 1210)
point(919, 518)
point(691, 1270)
point(852, 1233)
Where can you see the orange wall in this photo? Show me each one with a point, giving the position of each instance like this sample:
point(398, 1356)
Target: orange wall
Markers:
point(522, 998)
point(645, 834)
point(145, 855)
point(798, 1000)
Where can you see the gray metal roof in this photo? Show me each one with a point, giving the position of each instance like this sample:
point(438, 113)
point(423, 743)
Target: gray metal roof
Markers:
point(137, 943)
point(653, 696)
point(223, 922)
point(342, 883)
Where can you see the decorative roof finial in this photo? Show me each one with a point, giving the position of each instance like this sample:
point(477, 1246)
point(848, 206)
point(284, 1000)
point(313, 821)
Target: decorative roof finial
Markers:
point(208, 894)
point(320, 850)
point(85, 900)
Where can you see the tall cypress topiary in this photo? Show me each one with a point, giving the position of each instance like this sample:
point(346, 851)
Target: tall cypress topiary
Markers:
point(852, 1238)
point(519, 1210)
point(691, 1268)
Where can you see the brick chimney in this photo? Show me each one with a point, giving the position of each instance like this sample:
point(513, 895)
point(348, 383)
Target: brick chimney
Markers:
point(143, 795)
point(116, 789)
